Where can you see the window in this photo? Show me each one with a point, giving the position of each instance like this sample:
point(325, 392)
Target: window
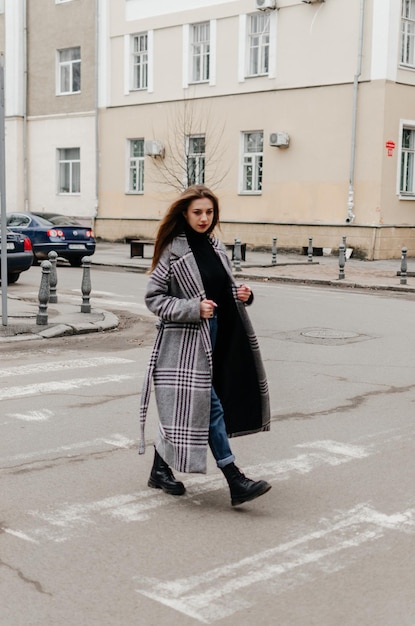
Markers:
point(1, 6)
point(200, 52)
point(258, 44)
point(196, 160)
point(252, 161)
point(407, 178)
point(69, 170)
point(408, 33)
point(69, 73)
point(140, 61)
point(136, 166)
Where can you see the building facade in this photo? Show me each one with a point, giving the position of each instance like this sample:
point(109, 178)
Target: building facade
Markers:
point(50, 106)
point(301, 117)
point(300, 114)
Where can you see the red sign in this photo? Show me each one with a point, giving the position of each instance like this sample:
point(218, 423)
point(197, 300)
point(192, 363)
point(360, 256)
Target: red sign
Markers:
point(390, 146)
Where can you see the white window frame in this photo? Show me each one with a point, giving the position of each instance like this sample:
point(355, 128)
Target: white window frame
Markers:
point(135, 166)
point(406, 159)
point(251, 159)
point(199, 48)
point(69, 164)
point(408, 34)
point(64, 66)
point(243, 51)
point(198, 159)
point(258, 44)
point(142, 57)
point(128, 63)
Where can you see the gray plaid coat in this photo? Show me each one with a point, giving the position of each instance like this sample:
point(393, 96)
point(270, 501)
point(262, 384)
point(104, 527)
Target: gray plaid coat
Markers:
point(181, 363)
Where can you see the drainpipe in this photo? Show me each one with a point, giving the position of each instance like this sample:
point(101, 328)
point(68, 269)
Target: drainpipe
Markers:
point(25, 156)
point(350, 204)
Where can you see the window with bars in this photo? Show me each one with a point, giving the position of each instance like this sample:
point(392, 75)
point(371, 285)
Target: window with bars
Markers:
point(252, 155)
point(200, 52)
point(69, 170)
point(136, 166)
point(408, 33)
point(258, 44)
point(407, 174)
point(196, 159)
point(69, 71)
point(140, 61)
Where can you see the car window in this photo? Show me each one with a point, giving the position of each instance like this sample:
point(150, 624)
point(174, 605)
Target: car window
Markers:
point(18, 220)
point(63, 220)
point(42, 221)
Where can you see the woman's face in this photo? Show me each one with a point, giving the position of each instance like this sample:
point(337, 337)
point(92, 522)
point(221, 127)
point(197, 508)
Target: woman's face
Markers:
point(199, 214)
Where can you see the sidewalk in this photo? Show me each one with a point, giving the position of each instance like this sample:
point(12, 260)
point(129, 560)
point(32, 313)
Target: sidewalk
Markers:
point(65, 319)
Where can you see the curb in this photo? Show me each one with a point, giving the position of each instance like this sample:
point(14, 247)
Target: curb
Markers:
point(110, 322)
point(342, 284)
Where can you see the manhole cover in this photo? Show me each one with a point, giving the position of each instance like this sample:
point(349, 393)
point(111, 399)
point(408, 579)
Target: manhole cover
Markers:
point(328, 333)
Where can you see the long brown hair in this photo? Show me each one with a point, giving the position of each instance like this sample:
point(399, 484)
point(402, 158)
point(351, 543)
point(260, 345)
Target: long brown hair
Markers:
point(173, 222)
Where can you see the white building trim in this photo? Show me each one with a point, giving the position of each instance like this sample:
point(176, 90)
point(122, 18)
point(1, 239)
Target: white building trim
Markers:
point(14, 55)
point(141, 9)
point(385, 40)
point(212, 53)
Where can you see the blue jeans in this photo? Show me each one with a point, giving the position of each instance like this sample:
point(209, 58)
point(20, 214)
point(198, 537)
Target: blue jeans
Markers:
point(218, 437)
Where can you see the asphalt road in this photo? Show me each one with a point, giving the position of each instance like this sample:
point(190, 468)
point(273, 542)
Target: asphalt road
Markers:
point(83, 540)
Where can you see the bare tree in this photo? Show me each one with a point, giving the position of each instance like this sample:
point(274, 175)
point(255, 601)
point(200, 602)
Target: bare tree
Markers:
point(194, 148)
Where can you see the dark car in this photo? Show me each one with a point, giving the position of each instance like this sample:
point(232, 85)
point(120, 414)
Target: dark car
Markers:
point(50, 231)
point(19, 255)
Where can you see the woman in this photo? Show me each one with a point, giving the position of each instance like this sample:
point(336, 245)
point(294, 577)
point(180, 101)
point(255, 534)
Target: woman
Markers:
point(208, 375)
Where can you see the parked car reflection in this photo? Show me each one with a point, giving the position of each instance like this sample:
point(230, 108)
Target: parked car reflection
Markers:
point(51, 231)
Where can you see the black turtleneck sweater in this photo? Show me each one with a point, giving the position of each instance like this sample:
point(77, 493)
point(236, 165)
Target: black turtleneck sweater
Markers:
point(214, 277)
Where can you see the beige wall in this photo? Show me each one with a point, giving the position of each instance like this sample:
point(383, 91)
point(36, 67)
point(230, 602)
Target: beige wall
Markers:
point(53, 27)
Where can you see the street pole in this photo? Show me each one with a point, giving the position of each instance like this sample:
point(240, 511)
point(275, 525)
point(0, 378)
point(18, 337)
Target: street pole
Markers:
point(3, 201)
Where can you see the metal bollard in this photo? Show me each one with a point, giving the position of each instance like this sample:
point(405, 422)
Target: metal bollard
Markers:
point(404, 267)
point(310, 249)
point(237, 255)
point(345, 248)
point(342, 260)
point(274, 251)
point(42, 316)
point(53, 280)
point(86, 285)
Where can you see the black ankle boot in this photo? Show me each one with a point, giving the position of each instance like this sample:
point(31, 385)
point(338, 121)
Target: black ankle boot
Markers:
point(162, 477)
point(242, 488)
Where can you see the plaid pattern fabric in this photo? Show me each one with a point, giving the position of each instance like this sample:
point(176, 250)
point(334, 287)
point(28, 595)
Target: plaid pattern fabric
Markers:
point(181, 361)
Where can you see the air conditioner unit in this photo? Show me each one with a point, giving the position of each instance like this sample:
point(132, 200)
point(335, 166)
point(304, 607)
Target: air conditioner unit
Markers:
point(154, 148)
point(265, 5)
point(280, 140)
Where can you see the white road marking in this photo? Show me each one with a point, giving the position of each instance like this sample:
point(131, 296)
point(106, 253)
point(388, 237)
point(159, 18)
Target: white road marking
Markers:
point(64, 522)
point(59, 386)
point(33, 416)
point(120, 304)
point(57, 366)
point(19, 535)
point(213, 595)
point(114, 440)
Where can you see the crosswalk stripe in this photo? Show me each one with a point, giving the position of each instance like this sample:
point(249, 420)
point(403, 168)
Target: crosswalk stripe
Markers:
point(59, 385)
point(56, 366)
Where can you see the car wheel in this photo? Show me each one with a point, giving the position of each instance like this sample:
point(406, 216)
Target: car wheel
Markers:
point(35, 260)
point(76, 262)
point(12, 278)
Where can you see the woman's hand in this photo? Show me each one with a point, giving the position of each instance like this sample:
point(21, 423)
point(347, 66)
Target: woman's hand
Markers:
point(207, 308)
point(243, 293)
